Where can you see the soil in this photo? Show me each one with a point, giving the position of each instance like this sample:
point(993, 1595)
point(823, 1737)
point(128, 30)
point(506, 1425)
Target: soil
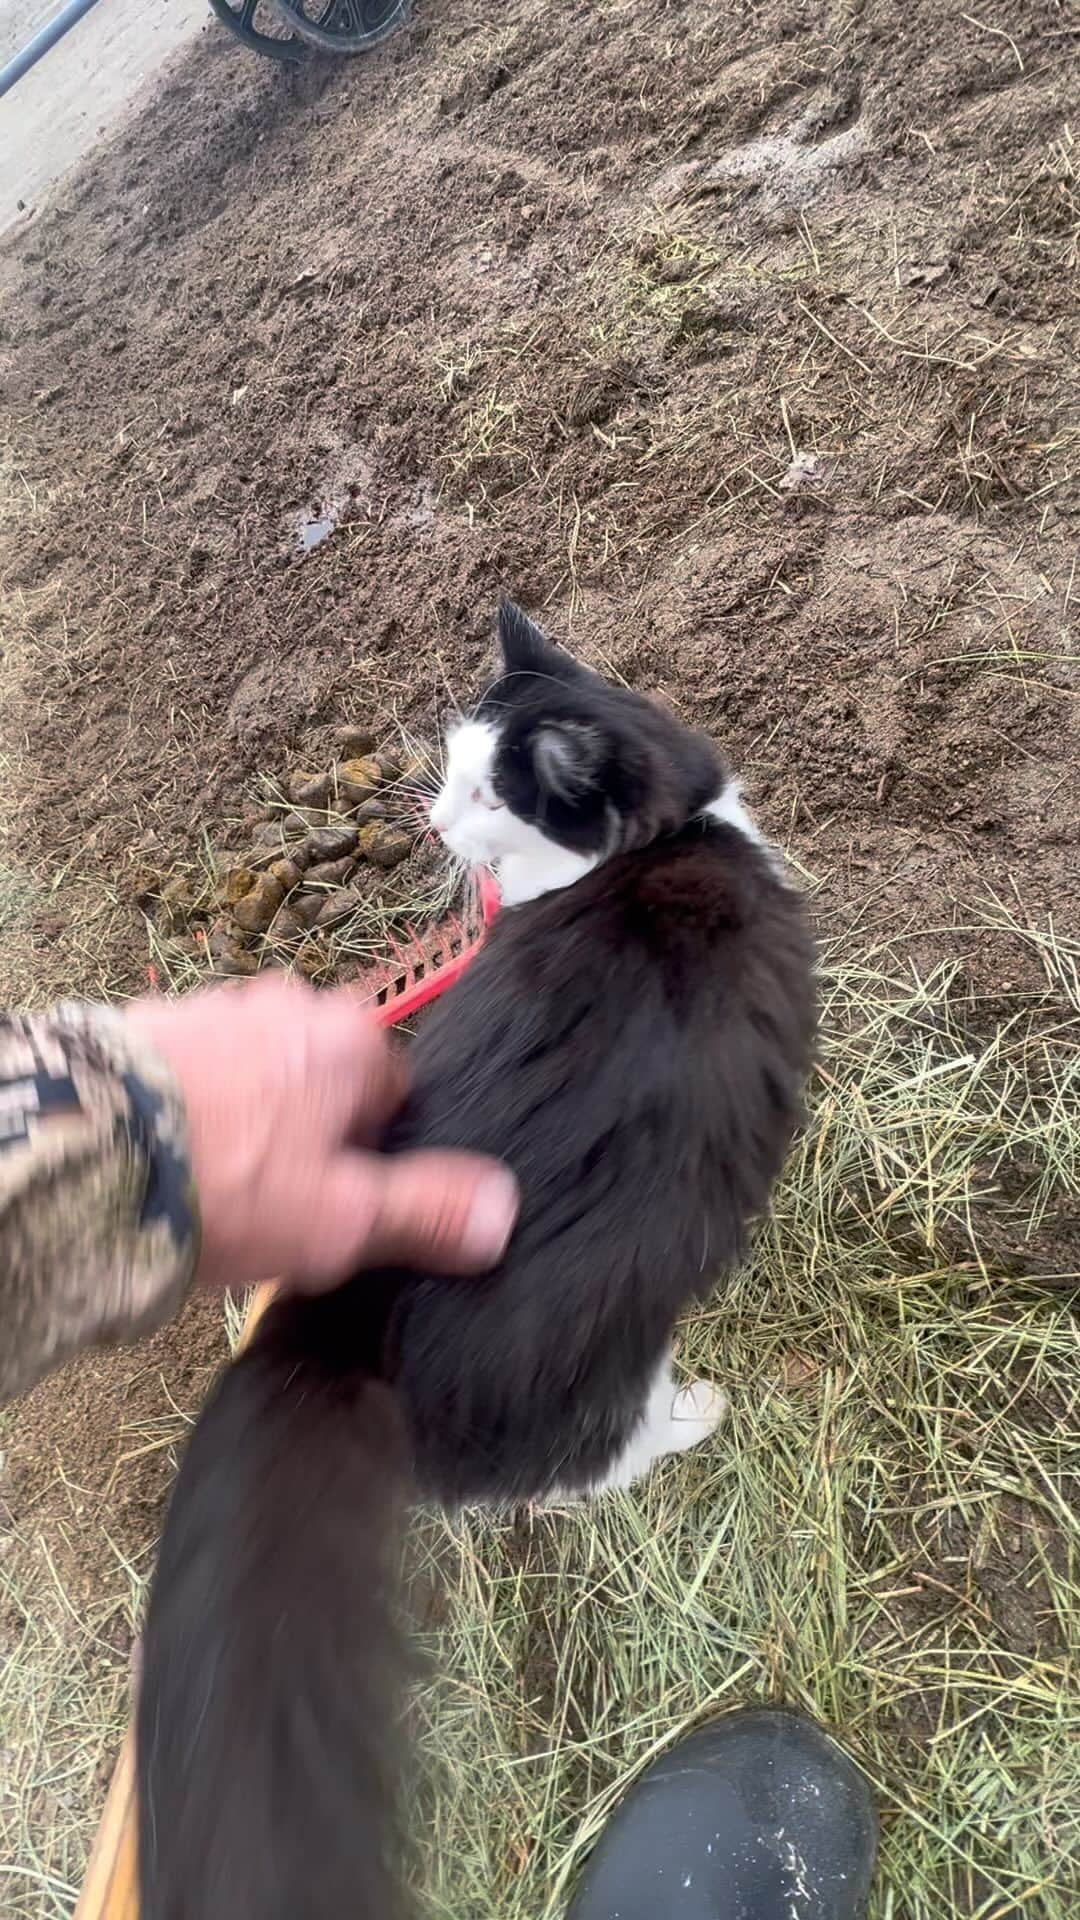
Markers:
point(96, 1449)
point(738, 342)
point(67, 102)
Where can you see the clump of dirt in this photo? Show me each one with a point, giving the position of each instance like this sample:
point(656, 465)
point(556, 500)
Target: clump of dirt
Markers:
point(302, 880)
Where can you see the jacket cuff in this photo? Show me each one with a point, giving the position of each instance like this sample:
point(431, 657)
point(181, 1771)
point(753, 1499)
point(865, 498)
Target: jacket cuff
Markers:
point(99, 1232)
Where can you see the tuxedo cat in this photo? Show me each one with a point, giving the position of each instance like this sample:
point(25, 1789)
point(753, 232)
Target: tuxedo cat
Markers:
point(631, 1039)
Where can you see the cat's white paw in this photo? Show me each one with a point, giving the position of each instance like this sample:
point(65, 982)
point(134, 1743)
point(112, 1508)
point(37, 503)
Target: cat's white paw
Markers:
point(699, 1408)
point(675, 1418)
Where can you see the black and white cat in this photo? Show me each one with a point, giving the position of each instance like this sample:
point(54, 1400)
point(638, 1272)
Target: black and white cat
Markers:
point(631, 1040)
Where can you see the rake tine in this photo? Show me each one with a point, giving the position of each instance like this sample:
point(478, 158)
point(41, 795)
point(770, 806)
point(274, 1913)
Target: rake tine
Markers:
point(422, 964)
point(398, 951)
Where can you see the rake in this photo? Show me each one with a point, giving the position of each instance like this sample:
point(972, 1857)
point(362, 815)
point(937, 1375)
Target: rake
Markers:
point(424, 964)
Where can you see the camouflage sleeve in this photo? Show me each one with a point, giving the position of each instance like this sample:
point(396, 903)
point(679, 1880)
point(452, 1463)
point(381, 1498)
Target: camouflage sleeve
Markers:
point(98, 1217)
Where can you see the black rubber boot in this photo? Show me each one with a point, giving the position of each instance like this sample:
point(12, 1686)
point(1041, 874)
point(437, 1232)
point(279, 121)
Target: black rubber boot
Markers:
point(758, 1816)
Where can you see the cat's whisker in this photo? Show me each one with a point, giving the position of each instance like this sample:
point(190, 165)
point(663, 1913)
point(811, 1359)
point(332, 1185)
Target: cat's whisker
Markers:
point(450, 695)
point(417, 808)
point(428, 753)
point(421, 790)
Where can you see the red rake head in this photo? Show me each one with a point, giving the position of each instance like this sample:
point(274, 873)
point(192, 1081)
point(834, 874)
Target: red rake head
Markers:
point(425, 964)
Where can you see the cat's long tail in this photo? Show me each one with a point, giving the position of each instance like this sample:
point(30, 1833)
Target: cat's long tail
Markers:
point(268, 1764)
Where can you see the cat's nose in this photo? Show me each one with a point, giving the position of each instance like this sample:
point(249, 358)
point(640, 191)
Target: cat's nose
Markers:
point(438, 817)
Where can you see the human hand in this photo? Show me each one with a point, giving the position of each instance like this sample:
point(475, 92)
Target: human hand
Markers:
point(286, 1091)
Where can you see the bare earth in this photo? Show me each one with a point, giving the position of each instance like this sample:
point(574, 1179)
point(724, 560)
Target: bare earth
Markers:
point(66, 104)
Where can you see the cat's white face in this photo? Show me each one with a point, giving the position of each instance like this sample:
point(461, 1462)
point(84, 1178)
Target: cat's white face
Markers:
point(476, 826)
point(466, 813)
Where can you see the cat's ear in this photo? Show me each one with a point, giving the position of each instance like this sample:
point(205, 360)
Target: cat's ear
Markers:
point(524, 648)
point(567, 757)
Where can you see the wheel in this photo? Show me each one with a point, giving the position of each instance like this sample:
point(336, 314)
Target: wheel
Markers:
point(271, 37)
point(343, 26)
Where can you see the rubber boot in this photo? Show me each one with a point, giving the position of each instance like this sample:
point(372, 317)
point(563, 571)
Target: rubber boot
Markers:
point(757, 1816)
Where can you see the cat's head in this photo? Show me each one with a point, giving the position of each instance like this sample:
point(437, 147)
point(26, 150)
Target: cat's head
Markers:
point(557, 769)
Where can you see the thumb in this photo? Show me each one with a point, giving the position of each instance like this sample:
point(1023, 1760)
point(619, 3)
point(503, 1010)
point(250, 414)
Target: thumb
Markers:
point(454, 1212)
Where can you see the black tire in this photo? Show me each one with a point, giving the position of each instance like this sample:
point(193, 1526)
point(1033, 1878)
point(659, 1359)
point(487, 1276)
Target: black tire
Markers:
point(345, 26)
point(239, 20)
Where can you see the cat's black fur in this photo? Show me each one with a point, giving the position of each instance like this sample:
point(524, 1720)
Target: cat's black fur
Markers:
point(633, 1047)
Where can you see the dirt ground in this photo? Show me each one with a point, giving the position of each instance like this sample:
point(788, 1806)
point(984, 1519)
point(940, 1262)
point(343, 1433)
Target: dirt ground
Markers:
point(739, 342)
point(741, 349)
point(64, 105)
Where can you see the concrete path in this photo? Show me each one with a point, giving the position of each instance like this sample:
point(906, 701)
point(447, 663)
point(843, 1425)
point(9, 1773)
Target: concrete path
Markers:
point(84, 84)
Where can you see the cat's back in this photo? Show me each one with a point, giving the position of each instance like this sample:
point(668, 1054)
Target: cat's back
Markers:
point(634, 1049)
point(665, 970)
